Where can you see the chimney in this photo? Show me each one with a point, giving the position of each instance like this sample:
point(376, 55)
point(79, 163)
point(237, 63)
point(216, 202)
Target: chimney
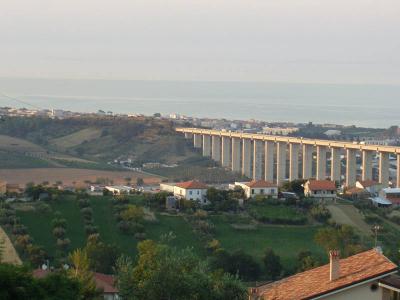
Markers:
point(334, 265)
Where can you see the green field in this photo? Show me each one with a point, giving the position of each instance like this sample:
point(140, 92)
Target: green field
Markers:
point(39, 227)
point(10, 160)
point(287, 241)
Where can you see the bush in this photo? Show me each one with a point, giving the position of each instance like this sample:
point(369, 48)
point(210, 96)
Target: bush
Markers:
point(82, 203)
point(19, 229)
point(320, 213)
point(43, 208)
point(140, 236)
point(373, 220)
point(59, 232)
point(63, 244)
point(87, 212)
point(91, 229)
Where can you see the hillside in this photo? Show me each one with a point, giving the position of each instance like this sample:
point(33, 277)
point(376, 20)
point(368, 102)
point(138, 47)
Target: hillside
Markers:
point(92, 142)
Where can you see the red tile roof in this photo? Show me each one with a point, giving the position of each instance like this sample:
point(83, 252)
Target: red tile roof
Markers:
point(321, 185)
point(309, 284)
point(260, 184)
point(103, 282)
point(368, 183)
point(193, 184)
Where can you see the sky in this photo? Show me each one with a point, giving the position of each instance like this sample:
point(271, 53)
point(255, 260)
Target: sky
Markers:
point(311, 41)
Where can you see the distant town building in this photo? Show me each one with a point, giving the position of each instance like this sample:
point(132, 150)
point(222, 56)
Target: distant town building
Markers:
point(3, 187)
point(368, 275)
point(320, 189)
point(191, 190)
point(118, 189)
point(279, 130)
point(332, 132)
point(257, 187)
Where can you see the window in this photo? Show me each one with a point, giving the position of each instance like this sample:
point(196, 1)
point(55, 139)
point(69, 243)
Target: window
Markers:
point(272, 191)
point(190, 192)
point(198, 192)
point(261, 191)
point(252, 191)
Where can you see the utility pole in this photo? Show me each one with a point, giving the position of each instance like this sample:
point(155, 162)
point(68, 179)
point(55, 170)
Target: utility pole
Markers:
point(375, 228)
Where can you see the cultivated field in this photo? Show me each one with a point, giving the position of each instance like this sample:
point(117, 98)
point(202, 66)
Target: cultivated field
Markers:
point(9, 254)
point(70, 176)
point(76, 138)
point(8, 143)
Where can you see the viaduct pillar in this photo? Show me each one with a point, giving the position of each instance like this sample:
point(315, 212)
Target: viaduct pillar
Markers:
point(257, 159)
point(294, 161)
point(206, 145)
point(226, 151)
point(366, 165)
point(216, 148)
point(335, 165)
point(246, 158)
point(384, 169)
point(307, 161)
point(269, 161)
point(321, 163)
point(350, 167)
point(281, 163)
point(398, 170)
point(197, 140)
point(236, 155)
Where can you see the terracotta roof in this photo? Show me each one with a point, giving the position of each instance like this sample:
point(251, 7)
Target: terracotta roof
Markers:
point(309, 284)
point(368, 183)
point(105, 283)
point(193, 184)
point(319, 185)
point(260, 184)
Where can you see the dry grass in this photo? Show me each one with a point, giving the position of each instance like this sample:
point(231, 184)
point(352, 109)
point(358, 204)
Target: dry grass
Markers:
point(9, 254)
point(349, 215)
point(76, 138)
point(9, 143)
point(69, 176)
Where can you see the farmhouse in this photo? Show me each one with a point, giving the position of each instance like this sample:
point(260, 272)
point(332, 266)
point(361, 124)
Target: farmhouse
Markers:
point(191, 190)
point(257, 187)
point(367, 275)
point(391, 194)
point(104, 283)
point(371, 186)
point(320, 189)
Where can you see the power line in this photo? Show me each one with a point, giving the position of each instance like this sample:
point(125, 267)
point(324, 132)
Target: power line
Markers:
point(20, 101)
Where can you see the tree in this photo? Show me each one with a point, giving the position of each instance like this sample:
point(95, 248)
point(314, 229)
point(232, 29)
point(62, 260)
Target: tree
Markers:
point(132, 213)
point(306, 261)
point(102, 257)
point(294, 186)
point(163, 272)
point(237, 263)
point(81, 272)
point(272, 263)
point(139, 181)
point(341, 238)
point(124, 277)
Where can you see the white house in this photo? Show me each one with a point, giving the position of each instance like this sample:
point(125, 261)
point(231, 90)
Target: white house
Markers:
point(190, 190)
point(118, 189)
point(370, 186)
point(320, 189)
point(258, 187)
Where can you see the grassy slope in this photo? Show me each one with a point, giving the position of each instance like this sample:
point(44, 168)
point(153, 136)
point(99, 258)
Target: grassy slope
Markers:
point(286, 241)
point(349, 215)
point(76, 138)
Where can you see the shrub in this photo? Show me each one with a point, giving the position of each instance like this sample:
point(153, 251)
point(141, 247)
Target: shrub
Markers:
point(82, 203)
point(63, 244)
point(90, 229)
point(19, 229)
point(140, 236)
point(59, 232)
point(87, 211)
point(43, 208)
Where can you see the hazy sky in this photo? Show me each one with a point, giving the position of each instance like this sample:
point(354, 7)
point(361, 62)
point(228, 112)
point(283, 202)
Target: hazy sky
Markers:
point(338, 41)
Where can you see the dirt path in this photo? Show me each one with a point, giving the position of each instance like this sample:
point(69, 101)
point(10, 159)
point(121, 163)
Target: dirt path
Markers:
point(349, 215)
point(9, 253)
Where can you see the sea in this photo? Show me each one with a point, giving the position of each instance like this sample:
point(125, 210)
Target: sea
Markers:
point(348, 104)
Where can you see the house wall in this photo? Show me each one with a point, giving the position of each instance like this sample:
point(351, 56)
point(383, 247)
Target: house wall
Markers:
point(167, 187)
point(190, 194)
point(359, 292)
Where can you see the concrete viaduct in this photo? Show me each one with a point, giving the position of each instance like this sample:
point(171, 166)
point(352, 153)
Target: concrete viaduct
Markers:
point(253, 156)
